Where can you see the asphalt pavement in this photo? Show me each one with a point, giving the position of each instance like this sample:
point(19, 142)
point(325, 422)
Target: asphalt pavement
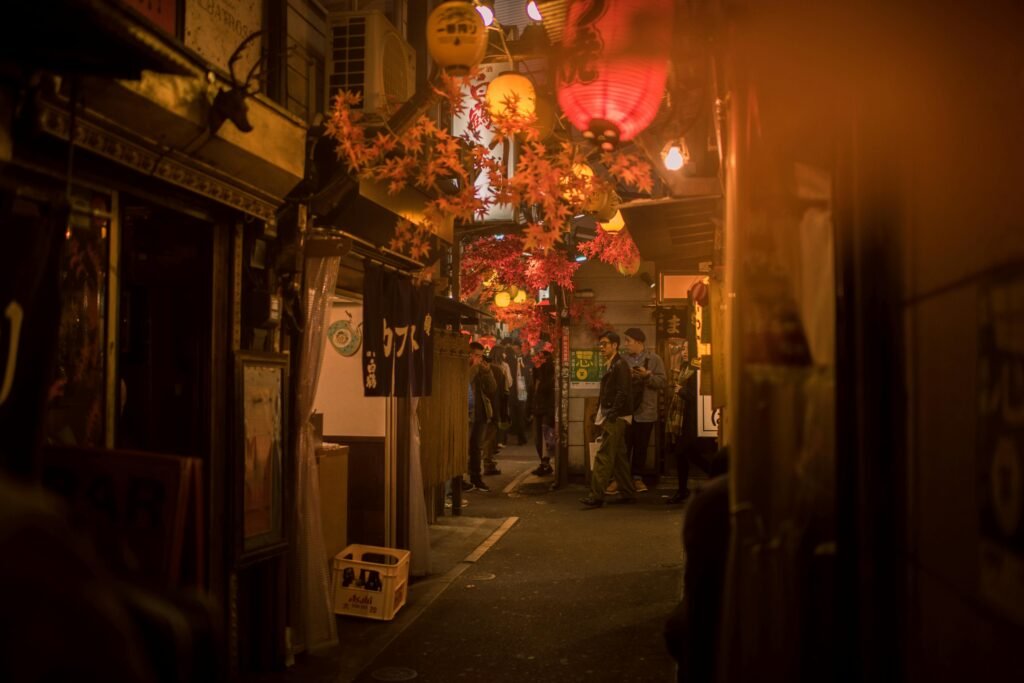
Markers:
point(527, 585)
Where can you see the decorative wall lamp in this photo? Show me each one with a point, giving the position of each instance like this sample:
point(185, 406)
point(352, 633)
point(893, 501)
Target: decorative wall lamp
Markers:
point(502, 299)
point(675, 155)
point(533, 11)
point(456, 36)
point(486, 10)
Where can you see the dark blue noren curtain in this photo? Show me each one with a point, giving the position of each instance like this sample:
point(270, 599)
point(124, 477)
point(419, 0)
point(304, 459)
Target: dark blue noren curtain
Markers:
point(398, 346)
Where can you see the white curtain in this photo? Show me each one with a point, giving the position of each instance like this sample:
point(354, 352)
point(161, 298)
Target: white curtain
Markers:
point(313, 623)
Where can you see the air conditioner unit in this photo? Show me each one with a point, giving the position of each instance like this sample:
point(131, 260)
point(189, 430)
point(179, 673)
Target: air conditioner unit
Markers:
point(369, 56)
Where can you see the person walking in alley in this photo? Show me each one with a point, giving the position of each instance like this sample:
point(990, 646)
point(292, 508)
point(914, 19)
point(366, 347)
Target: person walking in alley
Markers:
point(680, 425)
point(493, 432)
point(613, 415)
point(544, 412)
point(648, 380)
point(517, 393)
point(483, 388)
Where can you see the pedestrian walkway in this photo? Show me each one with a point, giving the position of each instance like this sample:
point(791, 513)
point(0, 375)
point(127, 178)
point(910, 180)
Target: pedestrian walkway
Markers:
point(526, 585)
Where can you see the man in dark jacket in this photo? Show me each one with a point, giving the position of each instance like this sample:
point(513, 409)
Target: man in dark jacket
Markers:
point(613, 414)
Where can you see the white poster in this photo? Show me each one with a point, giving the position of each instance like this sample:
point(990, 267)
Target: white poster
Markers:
point(707, 415)
point(214, 28)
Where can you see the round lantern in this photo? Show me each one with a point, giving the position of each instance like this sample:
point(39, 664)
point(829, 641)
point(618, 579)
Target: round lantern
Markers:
point(611, 83)
point(616, 223)
point(630, 268)
point(520, 297)
point(456, 36)
point(511, 94)
point(502, 299)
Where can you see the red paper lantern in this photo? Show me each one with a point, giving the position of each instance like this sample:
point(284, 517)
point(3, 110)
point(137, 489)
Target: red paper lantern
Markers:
point(612, 78)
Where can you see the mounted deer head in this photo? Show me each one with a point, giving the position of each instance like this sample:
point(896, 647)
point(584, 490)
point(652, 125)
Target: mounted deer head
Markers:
point(230, 104)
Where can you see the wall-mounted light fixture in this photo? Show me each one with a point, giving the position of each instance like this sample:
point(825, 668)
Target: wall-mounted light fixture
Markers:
point(675, 155)
point(486, 10)
point(533, 11)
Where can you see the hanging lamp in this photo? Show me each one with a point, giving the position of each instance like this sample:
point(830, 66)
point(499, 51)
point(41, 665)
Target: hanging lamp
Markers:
point(456, 36)
point(611, 82)
point(511, 94)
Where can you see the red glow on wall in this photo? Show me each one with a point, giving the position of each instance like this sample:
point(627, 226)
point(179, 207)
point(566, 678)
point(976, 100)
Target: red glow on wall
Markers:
point(612, 77)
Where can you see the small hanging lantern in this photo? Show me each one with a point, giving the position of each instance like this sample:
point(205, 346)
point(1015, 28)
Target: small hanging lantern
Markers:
point(520, 297)
point(502, 299)
point(629, 268)
point(616, 224)
point(511, 94)
point(612, 81)
point(456, 36)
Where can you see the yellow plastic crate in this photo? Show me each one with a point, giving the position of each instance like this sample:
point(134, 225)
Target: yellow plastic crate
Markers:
point(370, 581)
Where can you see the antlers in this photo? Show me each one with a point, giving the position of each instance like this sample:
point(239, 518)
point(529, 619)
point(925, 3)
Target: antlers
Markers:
point(254, 71)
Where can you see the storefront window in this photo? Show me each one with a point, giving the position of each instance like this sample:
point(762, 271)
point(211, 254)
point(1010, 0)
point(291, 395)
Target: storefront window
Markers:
point(76, 405)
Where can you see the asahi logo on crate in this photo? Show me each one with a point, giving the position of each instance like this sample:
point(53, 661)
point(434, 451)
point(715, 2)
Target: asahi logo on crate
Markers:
point(368, 581)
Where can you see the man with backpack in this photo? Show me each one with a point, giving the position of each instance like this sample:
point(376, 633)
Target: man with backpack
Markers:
point(647, 372)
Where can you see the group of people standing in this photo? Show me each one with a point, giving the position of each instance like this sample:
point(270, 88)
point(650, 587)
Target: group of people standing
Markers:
point(508, 391)
point(628, 410)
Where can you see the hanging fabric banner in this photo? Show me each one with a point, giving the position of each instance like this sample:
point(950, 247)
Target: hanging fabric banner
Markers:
point(398, 346)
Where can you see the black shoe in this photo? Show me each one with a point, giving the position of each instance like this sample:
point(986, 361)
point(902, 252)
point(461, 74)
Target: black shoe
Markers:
point(678, 497)
point(467, 486)
point(492, 471)
point(591, 502)
point(481, 486)
point(542, 470)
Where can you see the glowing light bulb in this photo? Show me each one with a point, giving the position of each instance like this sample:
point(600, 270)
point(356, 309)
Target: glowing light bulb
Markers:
point(533, 11)
point(674, 158)
point(486, 13)
point(502, 299)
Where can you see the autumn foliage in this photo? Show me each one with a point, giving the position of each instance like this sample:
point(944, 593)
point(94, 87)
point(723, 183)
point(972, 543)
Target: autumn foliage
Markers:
point(545, 189)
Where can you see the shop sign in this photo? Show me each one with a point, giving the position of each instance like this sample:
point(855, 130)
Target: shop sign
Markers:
point(1000, 443)
point(670, 321)
point(398, 340)
point(587, 365)
point(214, 28)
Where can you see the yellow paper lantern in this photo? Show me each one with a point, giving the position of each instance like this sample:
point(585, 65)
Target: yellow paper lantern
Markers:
point(594, 196)
point(502, 299)
point(520, 297)
point(629, 269)
point(456, 36)
point(615, 224)
point(511, 94)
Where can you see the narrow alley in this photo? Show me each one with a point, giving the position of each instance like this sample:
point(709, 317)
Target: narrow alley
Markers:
point(551, 592)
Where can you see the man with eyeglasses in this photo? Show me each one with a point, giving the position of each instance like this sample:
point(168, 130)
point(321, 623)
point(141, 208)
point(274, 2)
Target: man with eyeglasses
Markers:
point(613, 415)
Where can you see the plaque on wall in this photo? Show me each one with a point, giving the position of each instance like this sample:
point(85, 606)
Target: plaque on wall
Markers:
point(214, 28)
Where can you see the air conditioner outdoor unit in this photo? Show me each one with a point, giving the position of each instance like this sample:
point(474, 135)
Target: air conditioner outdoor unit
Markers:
point(369, 56)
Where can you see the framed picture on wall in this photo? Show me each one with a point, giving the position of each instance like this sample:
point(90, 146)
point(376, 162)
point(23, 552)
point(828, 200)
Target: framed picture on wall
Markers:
point(261, 437)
